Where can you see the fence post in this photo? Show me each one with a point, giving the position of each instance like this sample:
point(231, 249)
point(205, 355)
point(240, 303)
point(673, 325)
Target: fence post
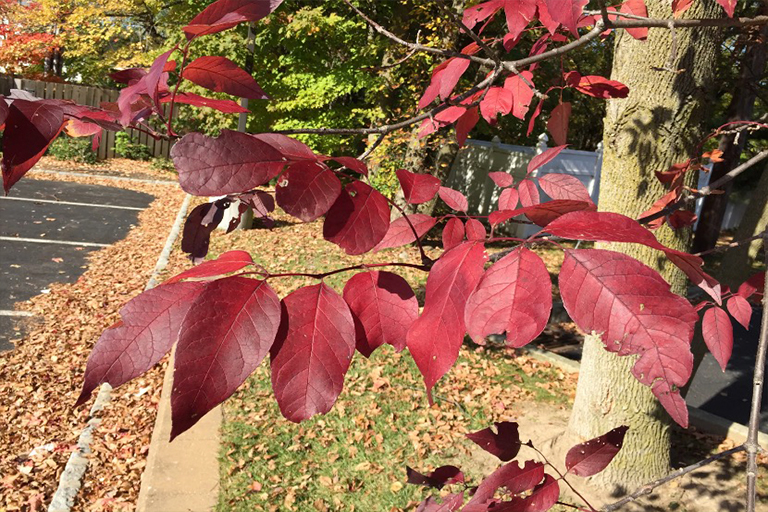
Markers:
point(594, 186)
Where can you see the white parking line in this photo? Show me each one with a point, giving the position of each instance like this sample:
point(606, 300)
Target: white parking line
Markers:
point(70, 203)
point(5, 312)
point(43, 241)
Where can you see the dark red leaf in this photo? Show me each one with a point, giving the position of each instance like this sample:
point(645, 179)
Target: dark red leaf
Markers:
point(401, 233)
point(564, 186)
point(233, 162)
point(384, 307)
point(475, 230)
point(740, 309)
point(502, 179)
point(220, 74)
point(358, 220)
point(439, 478)
point(504, 443)
point(351, 163)
point(508, 199)
point(691, 266)
point(417, 188)
point(542, 214)
point(601, 87)
point(188, 98)
point(234, 324)
point(230, 261)
point(197, 231)
point(631, 305)
point(307, 190)
point(454, 199)
point(157, 77)
point(557, 125)
point(755, 284)
point(312, 353)
point(534, 116)
point(497, 100)
point(514, 296)
point(511, 476)
point(450, 503)
point(544, 158)
point(717, 331)
point(466, 123)
point(225, 14)
point(681, 219)
point(542, 498)
point(126, 76)
point(593, 456)
point(528, 193)
point(435, 338)
point(150, 326)
point(522, 93)
point(453, 233)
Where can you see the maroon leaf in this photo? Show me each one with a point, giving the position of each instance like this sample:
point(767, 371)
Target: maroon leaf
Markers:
point(497, 100)
point(401, 233)
point(513, 296)
point(504, 443)
point(528, 193)
point(312, 353)
point(150, 326)
point(198, 228)
point(544, 158)
point(593, 456)
point(358, 220)
point(563, 186)
point(740, 309)
point(439, 478)
point(188, 98)
point(351, 163)
point(717, 331)
point(754, 285)
point(508, 199)
point(435, 338)
point(234, 325)
point(225, 14)
point(453, 233)
point(632, 307)
point(417, 188)
point(542, 498)
point(450, 503)
point(220, 74)
point(511, 476)
point(31, 126)
point(307, 190)
point(233, 162)
point(475, 230)
point(557, 125)
point(126, 76)
point(502, 179)
point(454, 199)
point(156, 78)
point(230, 261)
point(384, 307)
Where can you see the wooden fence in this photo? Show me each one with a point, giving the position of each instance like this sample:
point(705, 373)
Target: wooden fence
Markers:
point(85, 95)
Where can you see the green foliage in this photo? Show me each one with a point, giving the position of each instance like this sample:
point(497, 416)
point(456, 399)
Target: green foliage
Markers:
point(161, 163)
point(126, 148)
point(73, 149)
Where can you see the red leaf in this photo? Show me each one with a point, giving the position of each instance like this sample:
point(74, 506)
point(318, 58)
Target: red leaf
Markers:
point(513, 296)
point(557, 125)
point(519, 14)
point(566, 13)
point(542, 498)
point(126, 76)
point(384, 307)
point(544, 158)
point(31, 126)
point(504, 443)
point(444, 80)
point(233, 162)
point(636, 8)
point(508, 199)
point(480, 12)
point(358, 220)
point(755, 284)
point(680, 6)
point(522, 93)
point(631, 305)
point(230, 261)
point(475, 230)
point(312, 353)
point(601, 87)
point(541, 214)
point(546, 19)
point(717, 331)
point(234, 324)
point(691, 266)
point(442, 118)
point(450, 503)
point(502, 179)
point(466, 122)
point(156, 77)
point(497, 100)
point(188, 98)
point(307, 190)
point(435, 338)
point(225, 14)
point(593, 456)
point(351, 163)
point(453, 233)
point(417, 188)
point(729, 6)
point(681, 219)
point(150, 325)
point(439, 478)
point(198, 227)
point(529, 193)
point(511, 476)
point(534, 116)
point(740, 309)
point(454, 199)
point(564, 186)
point(400, 232)
point(220, 74)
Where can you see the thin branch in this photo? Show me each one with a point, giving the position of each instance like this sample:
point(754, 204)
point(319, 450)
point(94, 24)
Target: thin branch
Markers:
point(649, 487)
point(530, 445)
point(323, 275)
point(372, 147)
point(752, 443)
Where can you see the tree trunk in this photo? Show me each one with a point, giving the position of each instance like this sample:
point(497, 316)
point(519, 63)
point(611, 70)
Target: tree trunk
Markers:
point(740, 109)
point(658, 125)
point(737, 263)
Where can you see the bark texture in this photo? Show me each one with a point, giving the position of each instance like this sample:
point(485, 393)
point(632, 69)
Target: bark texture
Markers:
point(656, 126)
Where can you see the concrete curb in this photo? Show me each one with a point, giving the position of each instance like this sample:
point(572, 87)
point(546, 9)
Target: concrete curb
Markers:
point(104, 176)
point(702, 420)
point(71, 479)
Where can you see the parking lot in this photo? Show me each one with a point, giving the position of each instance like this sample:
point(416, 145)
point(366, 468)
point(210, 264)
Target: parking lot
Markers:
point(47, 229)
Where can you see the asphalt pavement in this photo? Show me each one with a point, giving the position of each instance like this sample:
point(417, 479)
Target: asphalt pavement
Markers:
point(47, 229)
